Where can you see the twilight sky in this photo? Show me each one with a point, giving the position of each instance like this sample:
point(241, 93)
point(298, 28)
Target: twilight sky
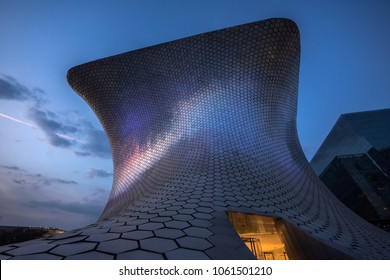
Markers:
point(55, 161)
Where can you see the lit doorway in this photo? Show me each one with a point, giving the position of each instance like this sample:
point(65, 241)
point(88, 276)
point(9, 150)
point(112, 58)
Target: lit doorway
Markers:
point(260, 235)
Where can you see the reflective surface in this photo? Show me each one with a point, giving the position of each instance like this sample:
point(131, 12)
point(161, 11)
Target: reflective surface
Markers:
point(354, 133)
point(260, 235)
point(198, 127)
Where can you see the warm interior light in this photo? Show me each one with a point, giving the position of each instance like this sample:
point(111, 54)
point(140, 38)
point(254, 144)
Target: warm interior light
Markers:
point(260, 235)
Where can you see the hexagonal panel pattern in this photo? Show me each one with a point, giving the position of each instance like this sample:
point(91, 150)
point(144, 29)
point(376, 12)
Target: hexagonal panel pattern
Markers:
point(198, 127)
point(117, 246)
point(158, 245)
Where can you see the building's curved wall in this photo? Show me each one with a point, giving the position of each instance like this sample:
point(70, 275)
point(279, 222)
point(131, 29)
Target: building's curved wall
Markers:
point(198, 127)
point(194, 105)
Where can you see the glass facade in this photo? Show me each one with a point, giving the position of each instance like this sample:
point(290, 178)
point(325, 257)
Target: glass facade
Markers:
point(358, 182)
point(273, 238)
point(260, 235)
point(354, 133)
point(354, 163)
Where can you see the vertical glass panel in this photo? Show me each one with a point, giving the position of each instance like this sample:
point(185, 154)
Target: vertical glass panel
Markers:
point(260, 235)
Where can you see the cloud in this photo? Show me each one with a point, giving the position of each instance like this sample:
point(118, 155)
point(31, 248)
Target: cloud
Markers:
point(82, 154)
point(46, 120)
point(99, 173)
point(20, 182)
point(24, 178)
point(99, 192)
point(96, 144)
point(63, 133)
point(87, 208)
point(48, 181)
point(11, 89)
point(14, 168)
point(58, 129)
point(36, 199)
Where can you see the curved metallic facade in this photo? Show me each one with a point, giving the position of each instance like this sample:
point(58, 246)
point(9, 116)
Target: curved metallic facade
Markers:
point(199, 127)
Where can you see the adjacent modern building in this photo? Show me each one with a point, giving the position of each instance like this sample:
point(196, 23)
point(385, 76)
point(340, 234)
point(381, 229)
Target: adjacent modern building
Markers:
point(354, 163)
point(207, 162)
point(356, 133)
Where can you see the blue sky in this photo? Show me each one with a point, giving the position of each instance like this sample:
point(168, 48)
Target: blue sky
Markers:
point(55, 162)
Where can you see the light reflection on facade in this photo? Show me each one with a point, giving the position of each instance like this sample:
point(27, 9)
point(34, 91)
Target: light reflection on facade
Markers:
point(201, 127)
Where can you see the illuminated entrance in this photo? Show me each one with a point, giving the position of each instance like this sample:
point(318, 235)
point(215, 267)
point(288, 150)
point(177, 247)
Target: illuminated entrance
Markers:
point(262, 235)
point(271, 238)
